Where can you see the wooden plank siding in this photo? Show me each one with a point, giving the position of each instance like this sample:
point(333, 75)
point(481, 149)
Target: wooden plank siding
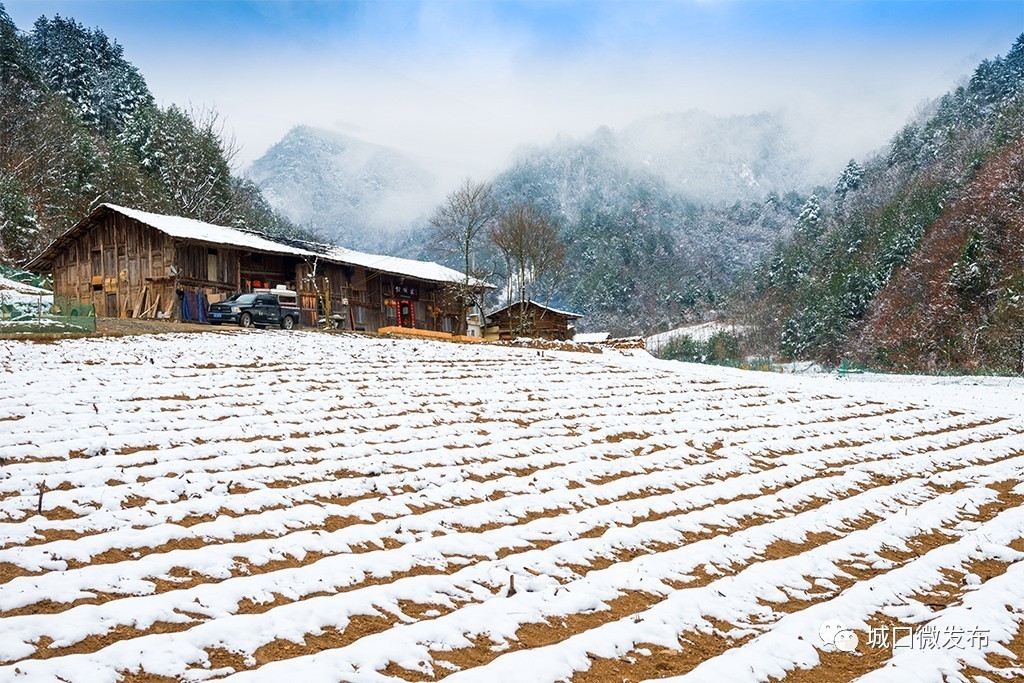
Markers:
point(537, 321)
point(129, 269)
point(113, 265)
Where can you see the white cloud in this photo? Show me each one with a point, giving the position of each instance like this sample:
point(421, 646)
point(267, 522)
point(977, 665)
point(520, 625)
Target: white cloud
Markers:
point(460, 83)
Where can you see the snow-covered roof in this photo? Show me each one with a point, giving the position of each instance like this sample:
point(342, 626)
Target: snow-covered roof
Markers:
point(568, 314)
point(422, 270)
point(200, 231)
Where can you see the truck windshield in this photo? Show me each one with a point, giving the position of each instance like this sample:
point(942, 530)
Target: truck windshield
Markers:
point(242, 298)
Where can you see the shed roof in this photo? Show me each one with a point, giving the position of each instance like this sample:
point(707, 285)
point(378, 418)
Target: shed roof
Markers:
point(193, 230)
point(567, 314)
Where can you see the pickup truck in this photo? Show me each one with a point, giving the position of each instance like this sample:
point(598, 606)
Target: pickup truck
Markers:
point(259, 309)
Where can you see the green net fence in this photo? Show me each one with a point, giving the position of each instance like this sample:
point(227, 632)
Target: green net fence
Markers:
point(22, 313)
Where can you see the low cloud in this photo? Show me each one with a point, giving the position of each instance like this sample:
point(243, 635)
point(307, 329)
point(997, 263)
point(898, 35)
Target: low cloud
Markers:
point(465, 84)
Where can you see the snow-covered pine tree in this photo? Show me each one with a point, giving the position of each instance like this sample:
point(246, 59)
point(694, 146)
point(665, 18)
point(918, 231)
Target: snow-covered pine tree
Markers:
point(850, 178)
point(808, 222)
point(17, 65)
point(90, 70)
point(18, 227)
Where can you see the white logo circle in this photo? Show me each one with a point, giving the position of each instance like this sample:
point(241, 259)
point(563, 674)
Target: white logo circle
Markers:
point(846, 641)
point(828, 631)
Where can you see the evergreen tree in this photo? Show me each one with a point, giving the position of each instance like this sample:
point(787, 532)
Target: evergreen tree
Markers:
point(808, 223)
point(17, 65)
point(86, 67)
point(18, 228)
point(850, 178)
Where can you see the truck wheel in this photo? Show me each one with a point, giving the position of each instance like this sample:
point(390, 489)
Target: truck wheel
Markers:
point(288, 323)
point(245, 320)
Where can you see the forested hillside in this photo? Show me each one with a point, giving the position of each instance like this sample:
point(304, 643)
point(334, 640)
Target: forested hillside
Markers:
point(913, 261)
point(79, 126)
point(659, 218)
point(640, 255)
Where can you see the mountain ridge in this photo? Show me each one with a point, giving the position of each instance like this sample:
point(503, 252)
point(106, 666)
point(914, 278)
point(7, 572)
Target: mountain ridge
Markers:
point(348, 189)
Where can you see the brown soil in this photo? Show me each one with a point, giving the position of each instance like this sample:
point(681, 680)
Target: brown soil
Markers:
point(846, 430)
point(647, 661)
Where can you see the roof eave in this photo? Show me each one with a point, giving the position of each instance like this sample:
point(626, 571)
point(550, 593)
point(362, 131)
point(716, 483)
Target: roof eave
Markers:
point(44, 261)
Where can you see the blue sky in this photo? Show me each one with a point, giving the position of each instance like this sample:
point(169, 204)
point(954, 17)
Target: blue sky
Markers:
point(467, 83)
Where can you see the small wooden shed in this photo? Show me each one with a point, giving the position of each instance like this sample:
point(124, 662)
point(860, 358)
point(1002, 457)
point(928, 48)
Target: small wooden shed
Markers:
point(530, 319)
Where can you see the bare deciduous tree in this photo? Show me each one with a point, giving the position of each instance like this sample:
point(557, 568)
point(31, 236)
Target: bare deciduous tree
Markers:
point(459, 223)
point(533, 252)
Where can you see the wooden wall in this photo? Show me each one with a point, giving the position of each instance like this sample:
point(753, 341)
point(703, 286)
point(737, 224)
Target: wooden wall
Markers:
point(368, 294)
point(120, 266)
point(205, 267)
point(431, 305)
point(124, 268)
point(331, 285)
point(538, 323)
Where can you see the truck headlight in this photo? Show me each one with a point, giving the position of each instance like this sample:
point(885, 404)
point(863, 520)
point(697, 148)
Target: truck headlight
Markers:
point(236, 309)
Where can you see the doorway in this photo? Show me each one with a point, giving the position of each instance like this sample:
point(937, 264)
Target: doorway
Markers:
point(406, 314)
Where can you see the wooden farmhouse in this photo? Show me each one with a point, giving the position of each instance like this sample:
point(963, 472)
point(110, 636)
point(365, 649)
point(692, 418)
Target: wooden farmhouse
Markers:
point(135, 264)
point(530, 319)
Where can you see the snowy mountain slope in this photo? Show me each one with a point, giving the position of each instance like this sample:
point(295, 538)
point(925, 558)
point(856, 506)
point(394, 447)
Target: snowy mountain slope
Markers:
point(347, 189)
point(270, 506)
point(640, 255)
point(912, 262)
point(710, 159)
point(702, 159)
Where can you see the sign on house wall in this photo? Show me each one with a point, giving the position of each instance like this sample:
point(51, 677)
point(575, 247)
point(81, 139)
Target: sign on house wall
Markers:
point(407, 291)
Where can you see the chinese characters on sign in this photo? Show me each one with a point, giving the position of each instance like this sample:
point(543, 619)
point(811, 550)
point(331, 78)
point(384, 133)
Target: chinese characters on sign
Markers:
point(407, 291)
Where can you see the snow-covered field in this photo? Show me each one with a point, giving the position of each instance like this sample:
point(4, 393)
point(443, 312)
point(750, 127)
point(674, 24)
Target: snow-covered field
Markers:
point(308, 507)
point(699, 332)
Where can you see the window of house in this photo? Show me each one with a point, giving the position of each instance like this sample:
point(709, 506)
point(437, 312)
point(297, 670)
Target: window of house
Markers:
point(211, 265)
point(389, 310)
point(448, 324)
point(359, 314)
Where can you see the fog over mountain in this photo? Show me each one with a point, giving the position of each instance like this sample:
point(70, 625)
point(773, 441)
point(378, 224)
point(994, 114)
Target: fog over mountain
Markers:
point(348, 190)
point(370, 196)
point(710, 159)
